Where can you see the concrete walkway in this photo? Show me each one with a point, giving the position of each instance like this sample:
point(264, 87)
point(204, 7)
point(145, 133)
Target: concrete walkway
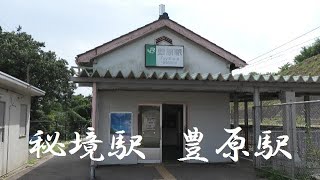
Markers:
point(69, 167)
point(242, 171)
point(72, 167)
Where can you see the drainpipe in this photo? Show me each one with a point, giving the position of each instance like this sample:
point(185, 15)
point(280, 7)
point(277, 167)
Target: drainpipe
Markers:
point(93, 119)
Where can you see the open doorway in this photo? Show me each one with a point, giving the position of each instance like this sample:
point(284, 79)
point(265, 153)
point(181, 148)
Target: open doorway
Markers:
point(172, 132)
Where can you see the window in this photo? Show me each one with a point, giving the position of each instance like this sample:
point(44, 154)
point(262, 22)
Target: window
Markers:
point(23, 120)
point(2, 112)
point(149, 126)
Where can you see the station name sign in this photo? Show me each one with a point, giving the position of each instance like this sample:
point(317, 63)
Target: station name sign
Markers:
point(163, 56)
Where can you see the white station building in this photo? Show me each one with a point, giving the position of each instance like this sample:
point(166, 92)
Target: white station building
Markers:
point(162, 79)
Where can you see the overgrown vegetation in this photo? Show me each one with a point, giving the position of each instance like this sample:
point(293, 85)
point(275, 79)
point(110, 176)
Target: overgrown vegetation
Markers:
point(308, 52)
point(33, 160)
point(312, 156)
point(305, 63)
point(308, 67)
point(271, 174)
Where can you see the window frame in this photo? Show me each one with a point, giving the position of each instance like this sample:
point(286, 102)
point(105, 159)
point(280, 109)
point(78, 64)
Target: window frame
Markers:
point(25, 121)
point(4, 121)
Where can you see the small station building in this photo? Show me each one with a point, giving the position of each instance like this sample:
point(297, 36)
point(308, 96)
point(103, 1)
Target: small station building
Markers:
point(162, 79)
point(15, 103)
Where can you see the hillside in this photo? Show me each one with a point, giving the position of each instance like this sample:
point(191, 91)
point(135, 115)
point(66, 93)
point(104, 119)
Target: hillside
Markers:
point(308, 67)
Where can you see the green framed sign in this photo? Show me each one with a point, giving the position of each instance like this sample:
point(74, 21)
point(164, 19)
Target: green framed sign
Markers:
point(163, 56)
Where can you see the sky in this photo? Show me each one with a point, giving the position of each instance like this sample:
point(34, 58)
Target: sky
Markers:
point(246, 28)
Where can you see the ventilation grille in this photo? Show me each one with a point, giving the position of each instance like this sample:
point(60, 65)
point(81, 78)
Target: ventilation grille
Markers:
point(163, 38)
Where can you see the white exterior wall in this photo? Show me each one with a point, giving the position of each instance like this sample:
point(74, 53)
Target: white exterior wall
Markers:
point(132, 57)
point(207, 111)
point(14, 150)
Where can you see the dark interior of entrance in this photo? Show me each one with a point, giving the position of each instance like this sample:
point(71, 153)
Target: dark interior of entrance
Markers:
point(172, 132)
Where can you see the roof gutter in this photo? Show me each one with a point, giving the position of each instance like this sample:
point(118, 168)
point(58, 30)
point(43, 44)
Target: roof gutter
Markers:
point(12, 83)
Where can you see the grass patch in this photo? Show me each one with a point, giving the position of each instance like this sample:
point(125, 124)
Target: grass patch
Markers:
point(32, 157)
point(32, 161)
point(271, 174)
point(57, 148)
point(303, 176)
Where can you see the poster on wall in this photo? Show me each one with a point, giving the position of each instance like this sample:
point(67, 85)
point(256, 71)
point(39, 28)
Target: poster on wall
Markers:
point(121, 121)
point(149, 120)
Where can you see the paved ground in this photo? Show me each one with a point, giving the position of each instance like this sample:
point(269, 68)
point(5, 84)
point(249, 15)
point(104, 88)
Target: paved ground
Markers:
point(178, 171)
point(72, 167)
point(69, 167)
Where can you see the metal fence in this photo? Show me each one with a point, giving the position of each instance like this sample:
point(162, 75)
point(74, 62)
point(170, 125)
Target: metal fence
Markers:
point(65, 130)
point(301, 123)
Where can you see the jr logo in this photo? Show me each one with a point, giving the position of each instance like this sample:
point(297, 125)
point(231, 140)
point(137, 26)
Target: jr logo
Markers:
point(151, 50)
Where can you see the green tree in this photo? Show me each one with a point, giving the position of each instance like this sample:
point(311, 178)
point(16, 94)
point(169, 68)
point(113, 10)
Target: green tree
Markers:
point(253, 73)
point(308, 52)
point(303, 64)
point(79, 113)
point(75, 117)
point(285, 67)
point(24, 58)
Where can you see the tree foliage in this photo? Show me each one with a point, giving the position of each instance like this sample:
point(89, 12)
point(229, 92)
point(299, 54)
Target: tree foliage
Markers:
point(285, 67)
point(75, 117)
point(253, 73)
point(305, 53)
point(24, 58)
point(308, 52)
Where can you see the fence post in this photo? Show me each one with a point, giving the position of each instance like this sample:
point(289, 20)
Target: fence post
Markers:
point(292, 134)
point(246, 124)
point(256, 125)
point(307, 113)
point(235, 111)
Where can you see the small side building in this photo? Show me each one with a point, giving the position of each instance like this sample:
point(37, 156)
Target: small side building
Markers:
point(15, 102)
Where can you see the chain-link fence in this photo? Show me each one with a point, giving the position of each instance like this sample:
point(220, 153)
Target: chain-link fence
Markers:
point(65, 129)
point(301, 123)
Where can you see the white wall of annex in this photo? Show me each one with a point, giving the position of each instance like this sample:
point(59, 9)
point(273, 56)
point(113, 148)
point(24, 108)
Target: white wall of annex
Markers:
point(207, 111)
point(16, 146)
point(132, 57)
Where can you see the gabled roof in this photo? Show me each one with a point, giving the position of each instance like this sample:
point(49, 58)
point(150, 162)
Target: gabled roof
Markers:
point(88, 56)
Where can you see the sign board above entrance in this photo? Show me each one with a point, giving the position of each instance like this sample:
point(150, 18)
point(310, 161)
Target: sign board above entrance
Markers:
point(164, 56)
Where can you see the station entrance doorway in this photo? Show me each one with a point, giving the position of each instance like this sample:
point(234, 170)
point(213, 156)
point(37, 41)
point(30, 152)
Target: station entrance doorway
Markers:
point(172, 132)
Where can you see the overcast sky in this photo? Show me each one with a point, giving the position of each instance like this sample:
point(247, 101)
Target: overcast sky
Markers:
point(245, 28)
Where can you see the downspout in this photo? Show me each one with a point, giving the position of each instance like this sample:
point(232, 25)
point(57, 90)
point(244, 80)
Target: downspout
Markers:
point(93, 124)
